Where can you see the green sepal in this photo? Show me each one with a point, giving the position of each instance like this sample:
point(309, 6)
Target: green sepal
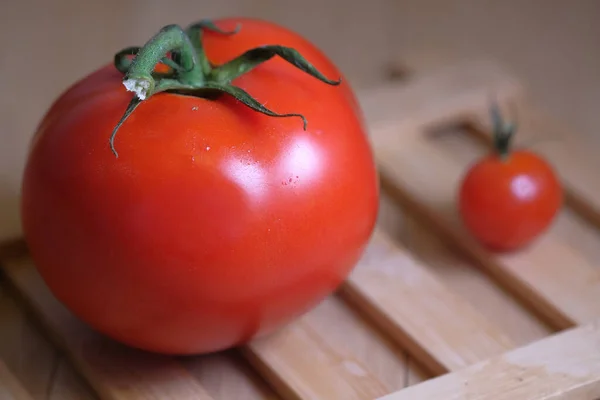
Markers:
point(252, 58)
point(194, 32)
point(135, 101)
point(209, 25)
point(245, 98)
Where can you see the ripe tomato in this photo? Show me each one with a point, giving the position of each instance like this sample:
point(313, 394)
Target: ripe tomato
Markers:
point(509, 197)
point(216, 223)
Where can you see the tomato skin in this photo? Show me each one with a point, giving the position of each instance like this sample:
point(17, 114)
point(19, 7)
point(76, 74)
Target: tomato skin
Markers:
point(215, 224)
point(507, 203)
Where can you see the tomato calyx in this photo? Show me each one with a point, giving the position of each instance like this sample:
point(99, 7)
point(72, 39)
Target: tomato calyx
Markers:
point(502, 132)
point(191, 73)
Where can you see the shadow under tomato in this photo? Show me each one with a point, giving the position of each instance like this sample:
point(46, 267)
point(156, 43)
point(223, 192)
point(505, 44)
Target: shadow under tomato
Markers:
point(11, 243)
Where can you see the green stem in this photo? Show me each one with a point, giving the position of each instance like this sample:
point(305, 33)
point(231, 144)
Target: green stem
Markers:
point(171, 38)
point(502, 132)
point(193, 74)
point(123, 62)
point(194, 32)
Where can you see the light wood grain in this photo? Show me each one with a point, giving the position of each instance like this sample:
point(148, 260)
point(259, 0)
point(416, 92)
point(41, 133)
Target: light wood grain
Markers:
point(440, 328)
point(563, 366)
point(10, 387)
point(301, 366)
point(399, 222)
point(331, 352)
point(345, 331)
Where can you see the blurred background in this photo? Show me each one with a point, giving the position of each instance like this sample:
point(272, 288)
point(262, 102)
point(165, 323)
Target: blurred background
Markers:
point(552, 46)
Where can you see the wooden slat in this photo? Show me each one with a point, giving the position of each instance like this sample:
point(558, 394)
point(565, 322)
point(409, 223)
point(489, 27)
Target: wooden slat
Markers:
point(114, 371)
point(438, 327)
point(300, 363)
point(343, 330)
point(10, 387)
point(563, 366)
point(427, 178)
point(456, 272)
point(300, 367)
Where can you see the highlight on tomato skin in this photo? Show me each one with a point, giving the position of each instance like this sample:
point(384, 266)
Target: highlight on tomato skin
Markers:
point(510, 197)
point(191, 209)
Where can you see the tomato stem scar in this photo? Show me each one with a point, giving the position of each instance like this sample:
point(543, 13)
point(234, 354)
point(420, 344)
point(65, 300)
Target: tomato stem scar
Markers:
point(191, 72)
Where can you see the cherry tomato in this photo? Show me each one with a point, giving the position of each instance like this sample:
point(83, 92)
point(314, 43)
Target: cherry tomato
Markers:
point(509, 197)
point(211, 223)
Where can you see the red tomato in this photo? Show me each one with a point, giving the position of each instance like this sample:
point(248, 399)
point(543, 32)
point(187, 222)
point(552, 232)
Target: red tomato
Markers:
point(216, 223)
point(508, 198)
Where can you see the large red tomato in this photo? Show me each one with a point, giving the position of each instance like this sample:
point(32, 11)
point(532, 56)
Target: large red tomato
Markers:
point(212, 222)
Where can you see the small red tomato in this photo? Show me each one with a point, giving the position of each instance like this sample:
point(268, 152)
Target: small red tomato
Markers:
point(231, 192)
point(509, 197)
